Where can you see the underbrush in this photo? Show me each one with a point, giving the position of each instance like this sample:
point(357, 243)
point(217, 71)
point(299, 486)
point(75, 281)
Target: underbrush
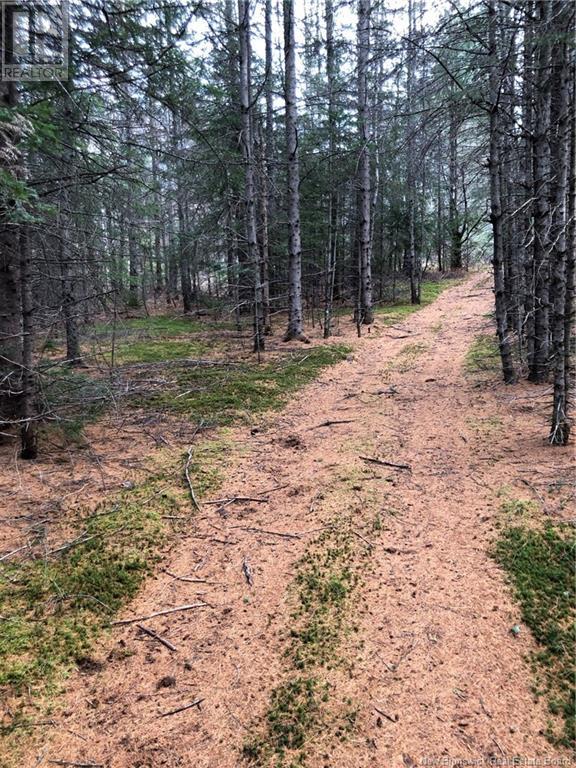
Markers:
point(69, 399)
point(539, 560)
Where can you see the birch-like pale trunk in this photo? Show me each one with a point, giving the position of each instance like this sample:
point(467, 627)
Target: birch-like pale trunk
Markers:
point(295, 328)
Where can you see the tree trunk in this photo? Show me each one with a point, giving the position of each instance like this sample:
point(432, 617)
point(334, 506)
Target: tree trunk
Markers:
point(453, 213)
point(412, 261)
point(495, 170)
point(295, 328)
point(538, 364)
point(249, 188)
point(11, 164)
point(28, 430)
point(364, 201)
point(560, 427)
point(263, 239)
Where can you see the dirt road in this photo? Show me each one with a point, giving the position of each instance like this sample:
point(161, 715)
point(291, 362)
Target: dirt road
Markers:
point(432, 647)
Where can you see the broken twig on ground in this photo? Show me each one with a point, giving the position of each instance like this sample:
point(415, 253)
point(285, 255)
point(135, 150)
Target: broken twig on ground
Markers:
point(195, 703)
point(159, 613)
point(383, 463)
point(187, 469)
point(156, 636)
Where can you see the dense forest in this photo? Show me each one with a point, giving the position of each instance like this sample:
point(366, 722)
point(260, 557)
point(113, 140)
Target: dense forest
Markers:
point(203, 154)
point(287, 371)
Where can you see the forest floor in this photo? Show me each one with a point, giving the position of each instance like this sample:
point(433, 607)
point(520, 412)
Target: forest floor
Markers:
point(351, 605)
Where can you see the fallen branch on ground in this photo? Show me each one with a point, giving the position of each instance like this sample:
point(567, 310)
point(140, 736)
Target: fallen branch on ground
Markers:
point(331, 423)
point(195, 703)
point(383, 463)
point(159, 613)
point(392, 718)
point(184, 578)
point(232, 499)
point(362, 538)
point(271, 533)
point(76, 765)
point(157, 637)
point(187, 469)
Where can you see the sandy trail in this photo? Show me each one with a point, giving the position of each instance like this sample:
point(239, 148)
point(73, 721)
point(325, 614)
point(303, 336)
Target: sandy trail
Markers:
point(434, 612)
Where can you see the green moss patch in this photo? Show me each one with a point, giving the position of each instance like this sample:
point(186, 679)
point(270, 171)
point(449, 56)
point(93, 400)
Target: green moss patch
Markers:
point(306, 706)
point(430, 290)
point(226, 394)
point(483, 355)
point(54, 604)
point(540, 564)
point(157, 351)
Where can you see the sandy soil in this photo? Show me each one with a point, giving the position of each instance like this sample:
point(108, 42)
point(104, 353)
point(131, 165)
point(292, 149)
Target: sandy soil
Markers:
point(435, 649)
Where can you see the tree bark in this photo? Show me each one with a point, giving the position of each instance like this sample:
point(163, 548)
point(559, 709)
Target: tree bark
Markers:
point(364, 198)
point(560, 426)
point(252, 260)
point(295, 328)
point(538, 364)
point(495, 170)
point(28, 425)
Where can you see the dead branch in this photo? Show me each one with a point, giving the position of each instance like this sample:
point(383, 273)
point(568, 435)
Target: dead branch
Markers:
point(14, 551)
point(383, 463)
point(76, 765)
point(392, 718)
point(362, 538)
point(157, 637)
point(195, 703)
point(233, 499)
point(184, 578)
point(270, 533)
point(331, 423)
point(159, 613)
point(187, 469)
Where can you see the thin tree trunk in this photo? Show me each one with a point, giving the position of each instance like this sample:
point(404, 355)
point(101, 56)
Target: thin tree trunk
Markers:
point(495, 169)
point(263, 239)
point(249, 189)
point(28, 430)
point(412, 262)
point(364, 201)
point(330, 258)
point(538, 365)
point(454, 218)
point(295, 328)
point(560, 427)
